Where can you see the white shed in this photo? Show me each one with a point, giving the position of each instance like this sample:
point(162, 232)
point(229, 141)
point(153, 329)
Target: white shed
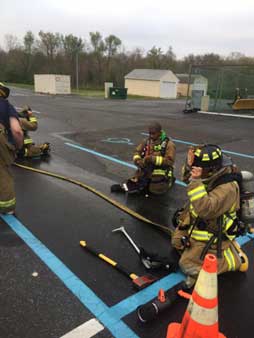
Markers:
point(52, 84)
point(197, 82)
point(152, 82)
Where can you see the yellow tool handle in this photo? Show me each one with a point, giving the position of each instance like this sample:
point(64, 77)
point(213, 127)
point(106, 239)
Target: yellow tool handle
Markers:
point(108, 260)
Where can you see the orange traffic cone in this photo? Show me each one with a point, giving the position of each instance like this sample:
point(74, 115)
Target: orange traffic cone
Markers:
point(201, 317)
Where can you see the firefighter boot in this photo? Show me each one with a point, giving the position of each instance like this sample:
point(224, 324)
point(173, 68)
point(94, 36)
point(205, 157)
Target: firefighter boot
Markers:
point(244, 259)
point(45, 148)
point(117, 188)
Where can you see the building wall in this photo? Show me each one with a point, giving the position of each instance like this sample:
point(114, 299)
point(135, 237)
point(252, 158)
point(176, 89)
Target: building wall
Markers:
point(168, 90)
point(52, 84)
point(143, 87)
point(200, 85)
point(62, 84)
point(182, 89)
point(170, 77)
point(44, 83)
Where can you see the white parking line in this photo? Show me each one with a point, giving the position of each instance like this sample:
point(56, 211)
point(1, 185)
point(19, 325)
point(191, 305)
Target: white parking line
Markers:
point(224, 114)
point(86, 330)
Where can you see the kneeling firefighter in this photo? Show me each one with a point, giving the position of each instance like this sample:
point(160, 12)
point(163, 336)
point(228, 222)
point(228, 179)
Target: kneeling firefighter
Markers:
point(29, 123)
point(154, 158)
point(209, 221)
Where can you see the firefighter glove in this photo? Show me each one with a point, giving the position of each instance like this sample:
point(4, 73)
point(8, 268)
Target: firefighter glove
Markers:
point(148, 159)
point(139, 163)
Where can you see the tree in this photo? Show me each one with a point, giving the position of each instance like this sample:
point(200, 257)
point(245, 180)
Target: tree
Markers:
point(154, 57)
point(50, 43)
point(98, 49)
point(29, 40)
point(11, 42)
point(72, 46)
point(235, 56)
point(97, 43)
point(112, 43)
point(211, 59)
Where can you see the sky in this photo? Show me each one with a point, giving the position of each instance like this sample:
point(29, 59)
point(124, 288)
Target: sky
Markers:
point(189, 26)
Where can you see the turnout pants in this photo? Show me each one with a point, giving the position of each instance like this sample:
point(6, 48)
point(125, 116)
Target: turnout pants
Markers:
point(190, 262)
point(7, 193)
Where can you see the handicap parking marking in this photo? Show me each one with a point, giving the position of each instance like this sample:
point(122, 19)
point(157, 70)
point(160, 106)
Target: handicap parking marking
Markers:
point(110, 317)
point(119, 140)
point(110, 158)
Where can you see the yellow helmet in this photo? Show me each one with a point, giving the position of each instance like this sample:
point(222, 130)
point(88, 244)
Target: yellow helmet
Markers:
point(4, 91)
point(208, 156)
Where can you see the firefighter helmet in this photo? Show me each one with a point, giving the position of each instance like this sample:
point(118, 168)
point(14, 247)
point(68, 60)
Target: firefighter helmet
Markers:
point(208, 156)
point(4, 91)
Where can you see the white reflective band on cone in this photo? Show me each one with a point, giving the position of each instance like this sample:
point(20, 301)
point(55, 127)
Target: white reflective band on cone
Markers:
point(202, 315)
point(206, 285)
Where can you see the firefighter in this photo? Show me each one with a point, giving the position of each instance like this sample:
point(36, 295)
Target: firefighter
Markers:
point(154, 158)
point(11, 137)
point(29, 123)
point(208, 223)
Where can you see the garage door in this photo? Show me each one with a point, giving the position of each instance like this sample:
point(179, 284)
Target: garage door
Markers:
point(168, 90)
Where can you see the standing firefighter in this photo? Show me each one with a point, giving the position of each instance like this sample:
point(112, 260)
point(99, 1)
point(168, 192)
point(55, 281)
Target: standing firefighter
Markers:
point(29, 123)
point(209, 222)
point(154, 158)
point(11, 135)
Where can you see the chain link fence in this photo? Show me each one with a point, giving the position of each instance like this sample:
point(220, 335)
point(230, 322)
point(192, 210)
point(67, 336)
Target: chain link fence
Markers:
point(216, 88)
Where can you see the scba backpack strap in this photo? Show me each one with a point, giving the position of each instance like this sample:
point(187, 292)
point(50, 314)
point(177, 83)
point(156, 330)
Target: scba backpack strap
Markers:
point(245, 215)
point(162, 146)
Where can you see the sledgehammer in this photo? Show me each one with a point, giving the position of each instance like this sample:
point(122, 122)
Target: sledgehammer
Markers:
point(139, 282)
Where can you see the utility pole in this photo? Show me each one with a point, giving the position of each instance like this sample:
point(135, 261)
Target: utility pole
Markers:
point(77, 71)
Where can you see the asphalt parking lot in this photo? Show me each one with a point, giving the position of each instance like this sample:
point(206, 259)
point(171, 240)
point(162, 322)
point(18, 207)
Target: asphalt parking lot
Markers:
point(49, 286)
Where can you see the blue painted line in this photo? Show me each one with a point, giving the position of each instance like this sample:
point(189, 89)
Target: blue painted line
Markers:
point(238, 154)
point(111, 158)
point(194, 144)
point(101, 155)
point(176, 140)
point(86, 296)
point(225, 151)
point(245, 239)
point(131, 303)
point(109, 317)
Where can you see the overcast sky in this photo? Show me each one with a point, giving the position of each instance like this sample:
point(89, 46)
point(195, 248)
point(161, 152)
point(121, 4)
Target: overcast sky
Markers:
point(189, 26)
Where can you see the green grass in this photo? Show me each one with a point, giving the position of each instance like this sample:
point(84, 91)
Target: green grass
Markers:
point(101, 93)
point(138, 97)
point(85, 92)
point(89, 92)
point(20, 85)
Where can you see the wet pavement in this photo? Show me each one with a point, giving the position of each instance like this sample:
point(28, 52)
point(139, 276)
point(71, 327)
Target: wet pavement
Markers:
point(49, 285)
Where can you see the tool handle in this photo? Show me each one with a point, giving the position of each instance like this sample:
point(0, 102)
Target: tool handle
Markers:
point(108, 260)
point(131, 241)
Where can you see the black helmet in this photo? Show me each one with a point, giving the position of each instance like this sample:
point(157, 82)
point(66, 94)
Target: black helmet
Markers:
point(208, 156)
point(4, 91)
